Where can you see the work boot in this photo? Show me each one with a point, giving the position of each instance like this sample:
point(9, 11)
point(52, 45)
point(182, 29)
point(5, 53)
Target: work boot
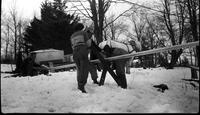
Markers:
point(96, 82)
point(82, 89)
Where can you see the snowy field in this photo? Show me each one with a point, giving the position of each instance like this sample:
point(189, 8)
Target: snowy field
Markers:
point(58, 93)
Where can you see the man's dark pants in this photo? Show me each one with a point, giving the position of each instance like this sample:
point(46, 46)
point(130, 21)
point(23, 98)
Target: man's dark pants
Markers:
point(120, 66)
point(80, 56)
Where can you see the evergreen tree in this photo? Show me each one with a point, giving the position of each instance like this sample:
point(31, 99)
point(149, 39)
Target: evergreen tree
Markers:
point(53, 30)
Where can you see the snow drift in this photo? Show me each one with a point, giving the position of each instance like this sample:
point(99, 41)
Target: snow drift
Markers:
point(58, 93)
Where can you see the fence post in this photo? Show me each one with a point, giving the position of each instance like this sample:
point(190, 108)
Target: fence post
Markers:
point(51, 66)
point(193, 73)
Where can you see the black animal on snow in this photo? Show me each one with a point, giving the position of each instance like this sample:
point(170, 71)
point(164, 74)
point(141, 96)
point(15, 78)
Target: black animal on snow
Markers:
point(161, 87)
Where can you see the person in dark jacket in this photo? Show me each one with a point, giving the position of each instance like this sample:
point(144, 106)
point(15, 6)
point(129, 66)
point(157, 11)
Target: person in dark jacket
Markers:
point(80, 55)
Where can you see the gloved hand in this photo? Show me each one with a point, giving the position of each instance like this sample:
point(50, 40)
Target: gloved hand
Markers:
point(112, 65)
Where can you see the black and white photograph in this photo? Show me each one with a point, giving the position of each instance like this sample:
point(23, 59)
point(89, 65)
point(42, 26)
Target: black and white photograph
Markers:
point(100, 56)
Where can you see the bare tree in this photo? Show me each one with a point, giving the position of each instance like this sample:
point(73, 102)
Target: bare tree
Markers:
point(137, 17)
point(193, 10)
point(175, 25)
point(22, 24)
point(13, 28)
point(116, 28)
point(96, 12)
point(13, 14)
point(6, 35)
point(7, 40)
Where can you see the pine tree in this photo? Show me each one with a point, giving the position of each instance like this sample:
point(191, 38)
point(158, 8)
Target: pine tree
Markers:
point(53, 30)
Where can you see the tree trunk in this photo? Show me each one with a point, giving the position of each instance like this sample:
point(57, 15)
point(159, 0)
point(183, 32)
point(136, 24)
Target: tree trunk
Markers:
point(197, 52)
point(191, 57)
point(15, 41)
point(174, 57)
point(101, 19)
point(191, 4)
point(19, 60)
point(7, 42)
point(155, 58)
point(195, 57)
point(97, 17)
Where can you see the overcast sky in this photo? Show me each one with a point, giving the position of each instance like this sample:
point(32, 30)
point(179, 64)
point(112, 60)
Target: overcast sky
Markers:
point(29, 8)
point(25, 8)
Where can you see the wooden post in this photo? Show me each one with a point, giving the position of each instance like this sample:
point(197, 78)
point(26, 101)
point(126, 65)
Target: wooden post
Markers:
point(194, 72)
point(103, 76)
point(51, 66)
point(128, 68)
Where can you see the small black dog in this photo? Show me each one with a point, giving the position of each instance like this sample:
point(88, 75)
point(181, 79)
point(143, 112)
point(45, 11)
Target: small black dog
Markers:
point(161, 87)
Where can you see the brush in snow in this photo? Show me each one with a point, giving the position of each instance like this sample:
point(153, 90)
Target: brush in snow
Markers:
point(161, 87)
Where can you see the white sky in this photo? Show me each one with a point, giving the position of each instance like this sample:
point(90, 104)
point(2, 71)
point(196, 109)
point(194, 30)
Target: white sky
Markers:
point(26, 8)
point(29, 8)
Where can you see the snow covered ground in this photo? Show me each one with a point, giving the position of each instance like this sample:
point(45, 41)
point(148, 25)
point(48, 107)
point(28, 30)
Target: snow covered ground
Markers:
point(58, 93)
